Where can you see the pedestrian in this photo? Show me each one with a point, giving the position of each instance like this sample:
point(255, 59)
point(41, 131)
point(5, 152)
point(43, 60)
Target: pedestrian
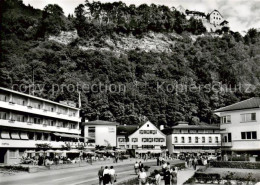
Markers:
point(158, 161)
point(100, 175)
point(190, 162)
point(136, 167)
point(168, 165)
point(195, 163)
point(141, 165)
point(142, 177)
point(167, 177)
point(112, 173)
point(173, 176)
point(164, 166)
point(106, 176)
point(158, 177)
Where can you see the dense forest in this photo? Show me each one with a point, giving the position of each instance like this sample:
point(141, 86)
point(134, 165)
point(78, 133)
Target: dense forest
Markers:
point(153, 81)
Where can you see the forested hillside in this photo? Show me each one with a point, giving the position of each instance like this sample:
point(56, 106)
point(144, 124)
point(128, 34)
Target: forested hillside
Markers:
point(150, 78)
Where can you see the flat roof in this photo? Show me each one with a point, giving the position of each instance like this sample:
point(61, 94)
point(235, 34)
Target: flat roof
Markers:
point(38, 98)
point(100, 122)
point(199, 127)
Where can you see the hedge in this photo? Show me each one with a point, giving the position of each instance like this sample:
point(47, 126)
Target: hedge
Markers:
point(235, 164)
point(18, 168)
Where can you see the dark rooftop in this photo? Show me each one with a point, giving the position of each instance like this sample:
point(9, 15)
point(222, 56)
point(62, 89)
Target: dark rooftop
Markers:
point(246, 104)
point(126, 130)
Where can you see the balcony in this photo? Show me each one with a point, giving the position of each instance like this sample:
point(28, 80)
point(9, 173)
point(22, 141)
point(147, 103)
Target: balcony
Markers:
point(42, 112)
point(26, 125)
point(32, 143)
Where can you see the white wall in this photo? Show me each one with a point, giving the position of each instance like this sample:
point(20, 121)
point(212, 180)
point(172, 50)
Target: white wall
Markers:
point(216, 18)
point(137, 134)
point(236, 127)
point(103, 132)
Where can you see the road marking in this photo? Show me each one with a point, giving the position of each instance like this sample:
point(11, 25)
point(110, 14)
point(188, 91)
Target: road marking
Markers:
point(97, 178)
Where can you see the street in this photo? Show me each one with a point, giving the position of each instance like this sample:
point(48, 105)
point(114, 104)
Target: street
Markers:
point(72, 176)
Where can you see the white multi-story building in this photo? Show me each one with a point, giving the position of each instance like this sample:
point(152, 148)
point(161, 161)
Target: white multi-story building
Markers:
point(240, 127)
point(147, 138)
point(215, 17)
point(102, 133)
point(185, 138)
point(27, 120)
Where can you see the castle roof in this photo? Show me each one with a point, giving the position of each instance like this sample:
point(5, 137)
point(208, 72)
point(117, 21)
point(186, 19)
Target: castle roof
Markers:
point(216, 11)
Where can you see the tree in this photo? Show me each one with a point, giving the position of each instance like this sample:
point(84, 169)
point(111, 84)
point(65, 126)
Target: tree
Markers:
point(52, 19)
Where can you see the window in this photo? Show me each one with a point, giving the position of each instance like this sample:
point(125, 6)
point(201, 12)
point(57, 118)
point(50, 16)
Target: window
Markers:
point(134, 140)
point(225, 119)
point(229, 137)
point(141, 131)
point(189, 139)
point(12, 153)
point(162, 140)
point(31, 135)
point(210, 139)
point(248, 117)
point(38, 136)
point(175, 139)
point(196, 139)
point(121, 139)
point(203, 139)
point(3, 115)
point(248, 135)
point(92, 132)
point(45, 137)
point(134, 146)
point(182, 140)
point(147, 125)
point(216, 140)
point(144, 140)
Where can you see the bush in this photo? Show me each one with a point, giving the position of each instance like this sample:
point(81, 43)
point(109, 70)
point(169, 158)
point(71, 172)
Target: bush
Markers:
point(129, 182)
point(235, 164)
point(18, 168)
point(207, 177)
point(180, 166)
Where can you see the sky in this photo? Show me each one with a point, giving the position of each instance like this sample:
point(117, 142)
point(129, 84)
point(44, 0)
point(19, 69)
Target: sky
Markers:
point(241, 14)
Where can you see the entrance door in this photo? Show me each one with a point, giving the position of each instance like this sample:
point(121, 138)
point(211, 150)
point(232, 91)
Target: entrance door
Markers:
point(2, 155)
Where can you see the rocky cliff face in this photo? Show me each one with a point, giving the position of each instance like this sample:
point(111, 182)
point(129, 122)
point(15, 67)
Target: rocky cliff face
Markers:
point(151, 42)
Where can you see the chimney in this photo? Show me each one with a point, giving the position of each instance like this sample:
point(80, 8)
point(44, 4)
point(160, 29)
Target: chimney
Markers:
point(161, 127)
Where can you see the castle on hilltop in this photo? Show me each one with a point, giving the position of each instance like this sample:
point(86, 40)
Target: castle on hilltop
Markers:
point(212, 21)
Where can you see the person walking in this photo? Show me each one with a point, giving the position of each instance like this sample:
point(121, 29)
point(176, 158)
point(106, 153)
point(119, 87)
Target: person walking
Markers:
point(173, 176)
point(106, 176)
point(136, 167)
point(142, 177)
point(158, 161)
point(158, 177)
point(141, 165)
point(167, 177)
point(195, 163)
point(112, 174)
point(100, 175)
point(164, 166)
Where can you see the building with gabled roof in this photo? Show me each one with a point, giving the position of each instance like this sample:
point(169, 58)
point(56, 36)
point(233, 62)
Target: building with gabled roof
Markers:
point(147, 138)
point(240, 127)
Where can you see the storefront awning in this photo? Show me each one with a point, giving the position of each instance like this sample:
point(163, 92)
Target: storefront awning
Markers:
point(15, 135)
point(5, 135)
point(24, 135)
point(68, 135)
